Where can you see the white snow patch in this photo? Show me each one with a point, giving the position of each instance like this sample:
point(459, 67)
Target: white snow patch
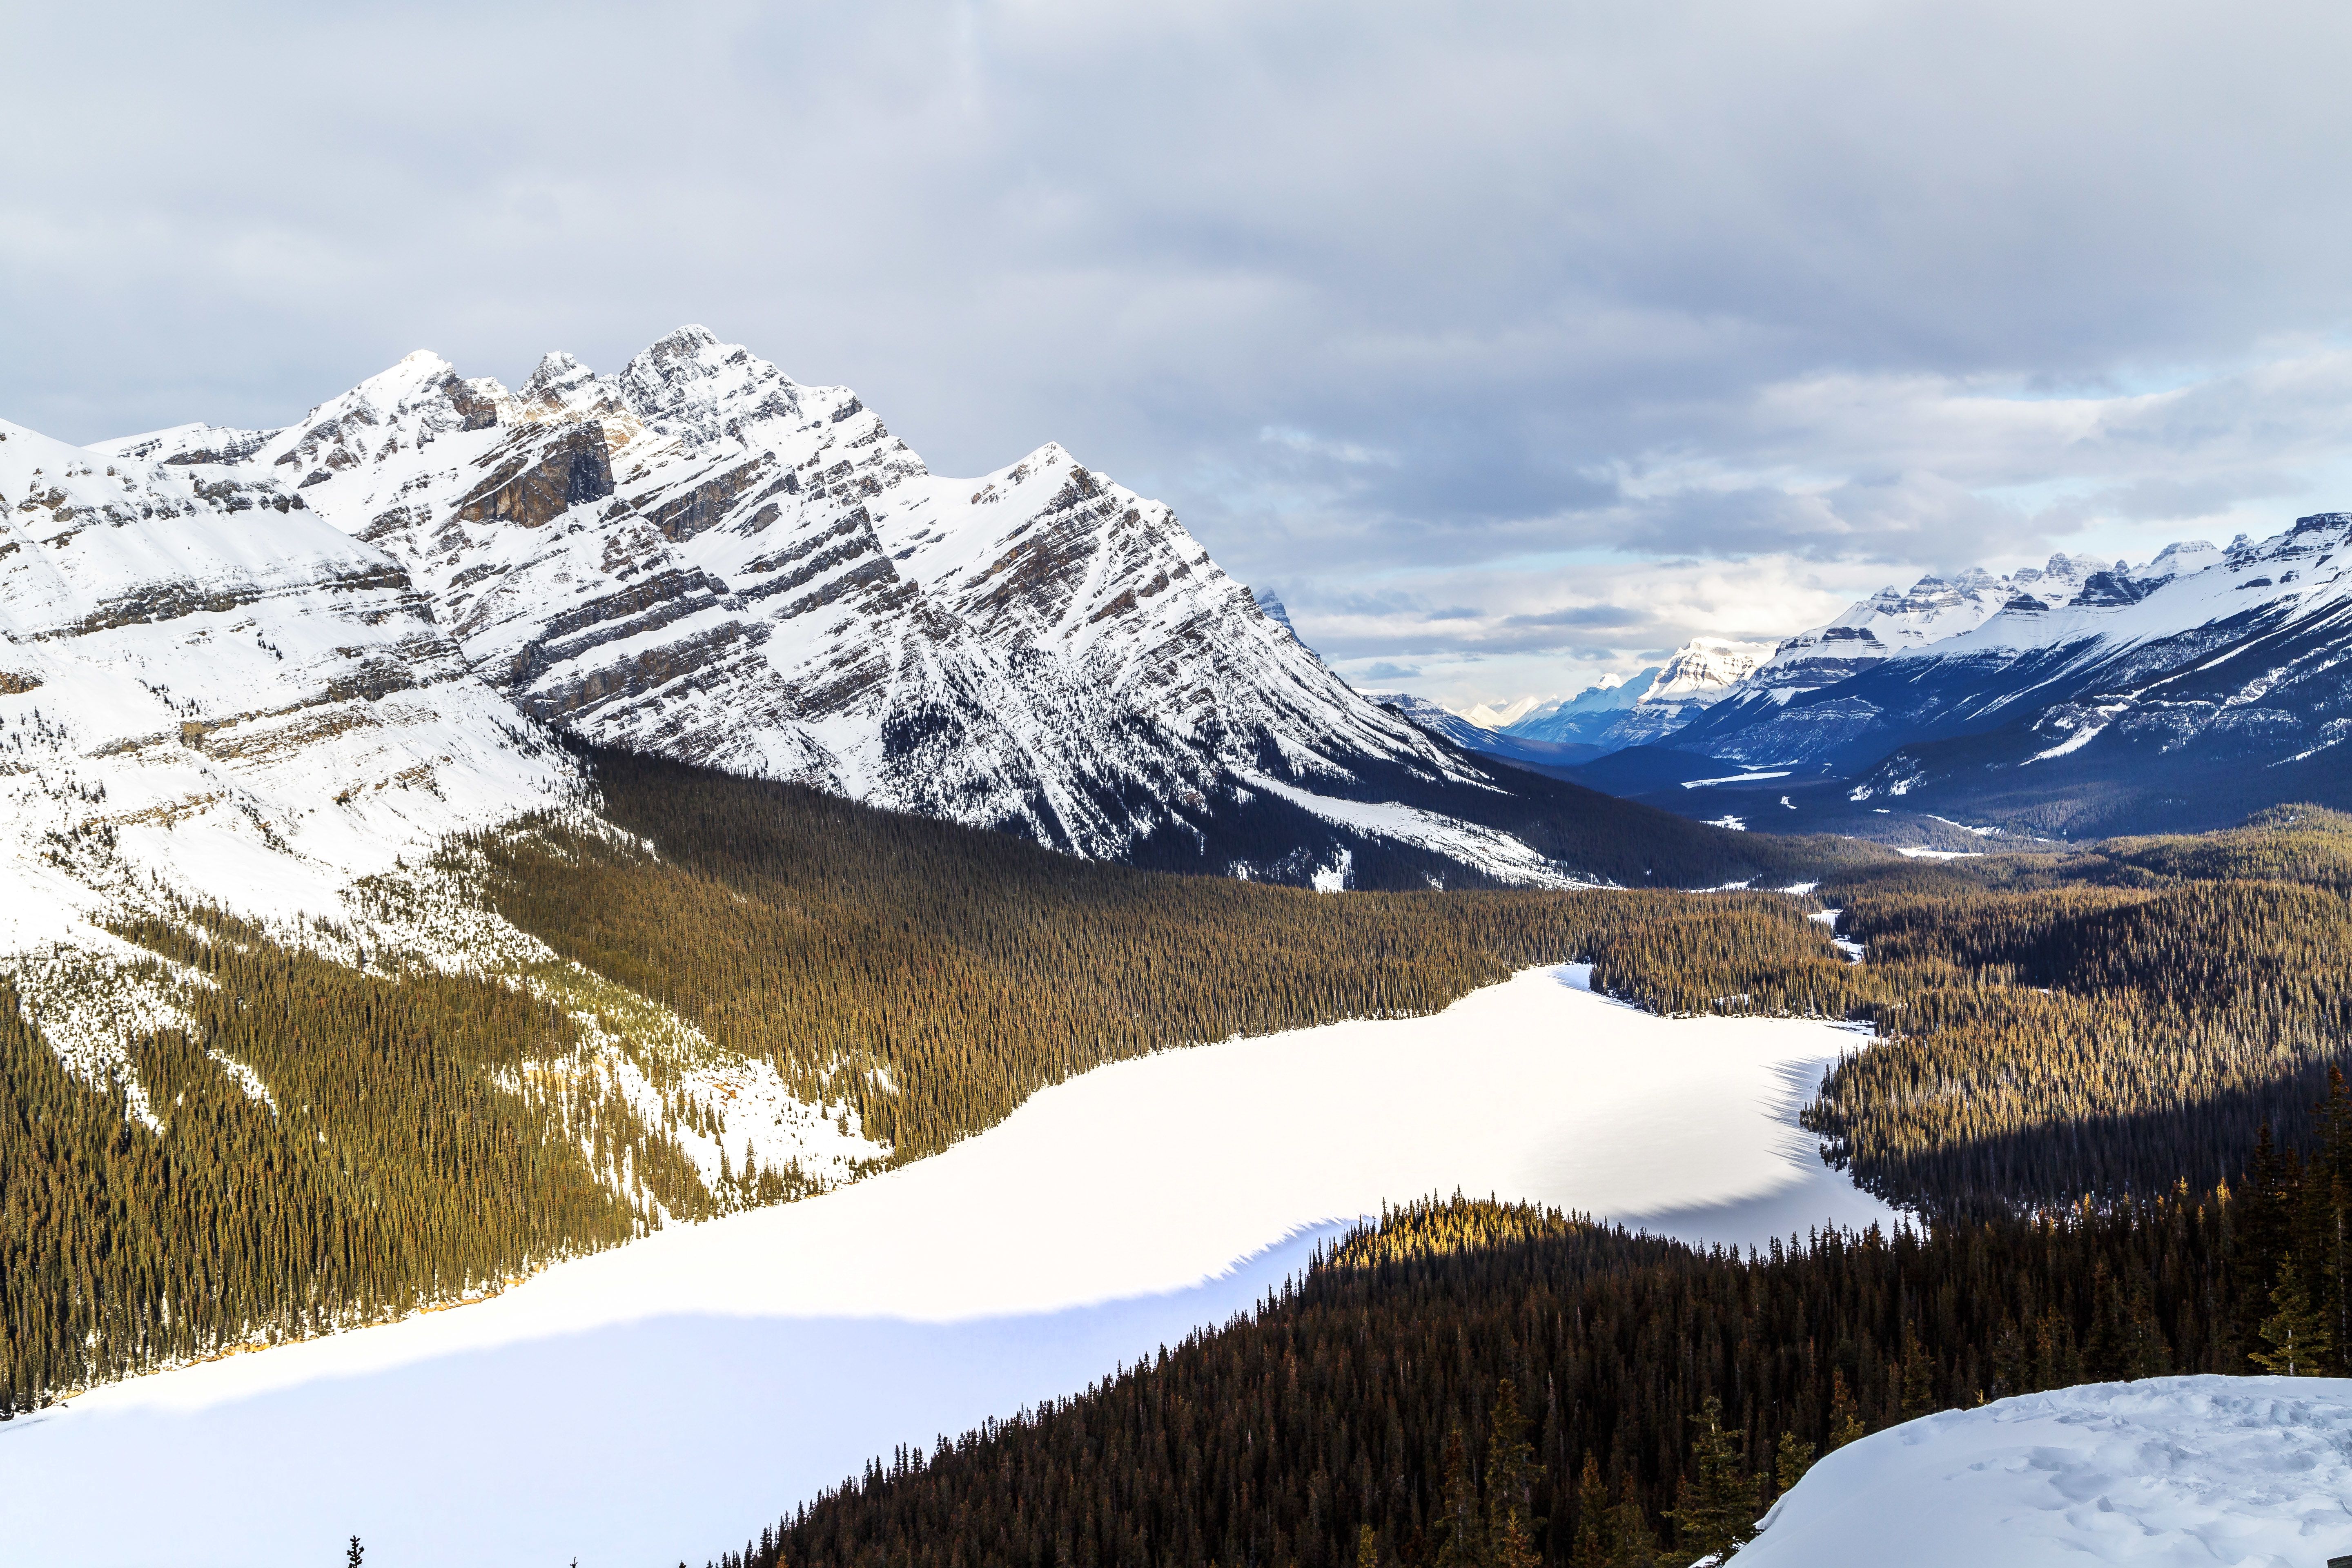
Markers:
point(1918, 852)
point(1739, 778)
point(244, 1077)
point(2169, 1472)
point(1333, 878)
point(1844, 944)
point(1737, 823)
point(1492, 851)
point(2085, 733)
point(659, 1400)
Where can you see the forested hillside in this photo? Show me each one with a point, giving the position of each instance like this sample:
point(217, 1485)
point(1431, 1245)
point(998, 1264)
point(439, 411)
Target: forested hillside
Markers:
point(1473, 1384)
point(938, 976)
point(328, 1145)
point(2098, 1024)
point(2108, 1079)
point(330, 1148)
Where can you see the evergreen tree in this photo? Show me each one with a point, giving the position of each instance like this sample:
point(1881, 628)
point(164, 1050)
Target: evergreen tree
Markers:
point(1461, 1543)
point(1846, 1417)
point(1717, 1512)
point(1592, 1547)
point(2295, 1332)
point(1631, 1542)
point(1511, 1473)
point(1791, 1460)
point(1918, 1380)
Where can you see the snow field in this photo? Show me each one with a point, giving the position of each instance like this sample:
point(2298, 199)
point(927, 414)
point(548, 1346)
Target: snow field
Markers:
point(654, 1401)
point(2170, 1472)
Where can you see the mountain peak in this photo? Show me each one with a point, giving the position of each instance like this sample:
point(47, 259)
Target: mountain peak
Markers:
point(1704, 668)
point(558, 373)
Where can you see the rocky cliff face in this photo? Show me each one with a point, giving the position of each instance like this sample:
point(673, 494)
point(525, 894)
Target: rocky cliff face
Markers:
point(207, 693)
point(1896, 620)
point(2181, 693)
point(700, 557)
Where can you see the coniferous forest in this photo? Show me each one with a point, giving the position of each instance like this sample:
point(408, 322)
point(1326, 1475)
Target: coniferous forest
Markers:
point(1470, 1383)
point(2109, 1082)
point(428, 1135)
point(2095, 1083)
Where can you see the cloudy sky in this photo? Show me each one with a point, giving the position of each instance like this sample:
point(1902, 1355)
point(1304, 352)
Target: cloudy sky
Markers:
point(1511, 343)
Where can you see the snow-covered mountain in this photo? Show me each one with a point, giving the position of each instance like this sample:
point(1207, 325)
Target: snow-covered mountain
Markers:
point(210, 696)
point(1702, 673)
point(1492, 716)
point(2185, 692)
point(698, 556)
point(1585, 717)
point(1896, 620)
point(1622, 711)
point(205, 687)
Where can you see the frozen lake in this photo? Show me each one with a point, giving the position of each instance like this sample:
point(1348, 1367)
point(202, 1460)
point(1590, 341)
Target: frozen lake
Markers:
point(665, 1400)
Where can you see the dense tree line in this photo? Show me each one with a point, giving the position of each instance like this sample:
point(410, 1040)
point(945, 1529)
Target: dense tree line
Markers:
point(399, 1159)
point(429, 1135)
point(2126, 1023)
point(1475, 1383)
point(937, 976)
point(2292, 1255)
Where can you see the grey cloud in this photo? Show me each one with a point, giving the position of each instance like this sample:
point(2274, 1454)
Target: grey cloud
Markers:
point(1588, 617)
point(1816, 283)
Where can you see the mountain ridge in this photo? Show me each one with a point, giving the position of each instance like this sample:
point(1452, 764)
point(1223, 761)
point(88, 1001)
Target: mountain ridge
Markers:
point(697, 557)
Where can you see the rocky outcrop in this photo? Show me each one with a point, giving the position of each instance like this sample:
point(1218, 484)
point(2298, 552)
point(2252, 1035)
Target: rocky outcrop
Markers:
point(207, 693)
point(698, 556)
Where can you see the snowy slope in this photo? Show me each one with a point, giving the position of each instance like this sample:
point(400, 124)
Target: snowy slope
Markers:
point(1585, 717)
point(2171, 1472)
point(211, 696)
point(698, 556)
point(208, 692)
point(655, 1401)
point(2182, 693)
point(1895, 620)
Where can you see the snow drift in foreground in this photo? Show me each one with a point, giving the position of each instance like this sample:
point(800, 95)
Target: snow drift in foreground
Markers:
point(2251, 1472)
point(660, 1399)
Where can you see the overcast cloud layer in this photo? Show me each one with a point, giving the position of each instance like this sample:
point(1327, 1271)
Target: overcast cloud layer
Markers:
point(1511, 346)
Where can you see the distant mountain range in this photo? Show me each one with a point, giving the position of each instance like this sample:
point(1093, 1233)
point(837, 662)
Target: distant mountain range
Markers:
point(258, 666)
point(2083, 697)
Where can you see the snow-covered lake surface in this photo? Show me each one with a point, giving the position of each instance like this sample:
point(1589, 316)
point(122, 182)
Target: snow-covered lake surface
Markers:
point(664, 1400)
point(2172, 1472)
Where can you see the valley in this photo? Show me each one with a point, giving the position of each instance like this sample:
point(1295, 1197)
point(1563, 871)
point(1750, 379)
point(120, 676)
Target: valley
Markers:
point(1336, 786)
point(630, 946)
point(625, 1406)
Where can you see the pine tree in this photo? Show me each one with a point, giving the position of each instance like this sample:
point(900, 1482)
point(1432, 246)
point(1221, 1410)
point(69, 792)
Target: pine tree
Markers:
point(1460, 1541)
point(1717, 1512)
point(1368, 1547)
point(1591, 1548)
point(1918, 1380)
point(1631, 1542)
point(2295, 1332)
point(1791, 1460)
point(1510, 1485)
point(351, 1558)
point(1845, 1418)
